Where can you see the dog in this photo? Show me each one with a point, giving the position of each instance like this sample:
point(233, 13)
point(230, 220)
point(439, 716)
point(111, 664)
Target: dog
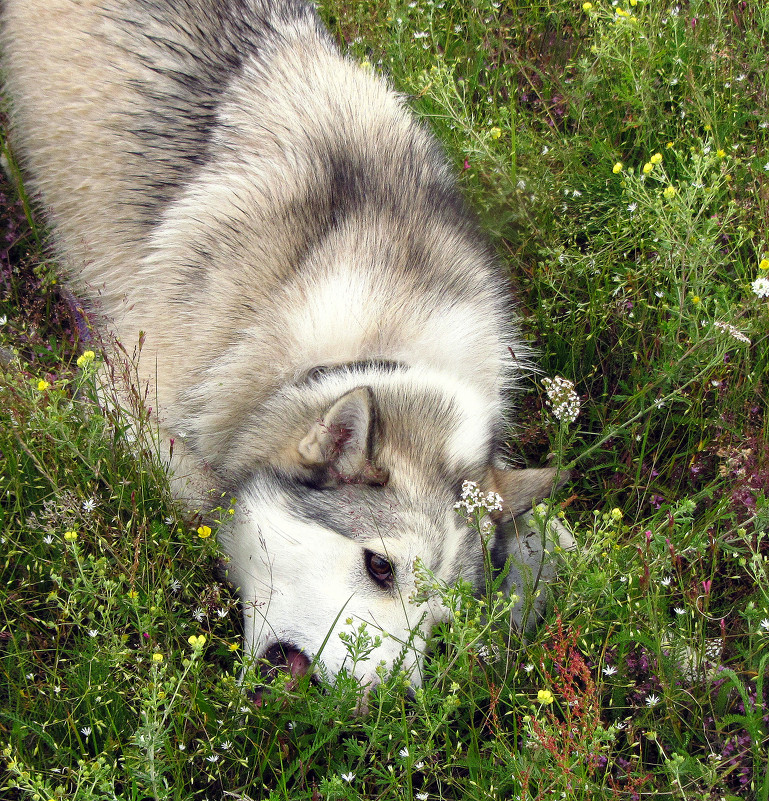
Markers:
point(326, 334)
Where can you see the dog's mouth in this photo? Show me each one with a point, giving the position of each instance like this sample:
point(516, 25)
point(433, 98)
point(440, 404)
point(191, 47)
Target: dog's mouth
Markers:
point(282, 657)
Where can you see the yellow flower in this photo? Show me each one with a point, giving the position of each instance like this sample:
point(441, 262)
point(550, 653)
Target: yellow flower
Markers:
point(633, 3)
point(763, 264)
point(545, 697)
point(616, 514)
point(234, 646)
point(618, 167)
point(587, 6)
point(669, 145)
point(708, 127)
point(648, 167)
point(495, 132)
point(669, 193)
point(157, 657)
point(656, 158)
point(204, 531)
point(197, 641)
point(70, 536)
point(721, 153)
point(42, 385)
point(696, 300)
point(132, 594)
point(622, 13)
point(85, 358)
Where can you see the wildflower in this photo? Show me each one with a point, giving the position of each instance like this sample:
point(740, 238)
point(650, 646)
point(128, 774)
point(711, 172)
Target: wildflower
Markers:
point(212, 758)
point(618, 167)
point(473, 499)
point(175, 585)
point(157, 657)
point(198, 615)
point(632, 208)
point(721, 153)
point(93, 632)
point(616, 514)
point(422, 796)
point(587, 7)
point(696, 300)
point(89, 505)
point(234, 646)
point(220, 613)
point(70, 536)
point(204, 532)
point(652, 700)
point(609, 670)
point(528, 667)
point(495, 132)
point(765, 624)
point(763, 264)
point(760, 287)
point(665, 582)
point(86, 730)
point(132, 594)
point(656, 158)
point(562, 398)
point(48, 539)
point(669, 193)
point(85, 358)
point(197, 641)
point(679, 610)
point(545, 697)
point(732, 331)
point(647, 168)
point(348, 777)
point(419, 766)
point(42, 385)
point(404, 752)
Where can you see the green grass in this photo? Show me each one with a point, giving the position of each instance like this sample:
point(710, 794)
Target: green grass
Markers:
point(648, 675)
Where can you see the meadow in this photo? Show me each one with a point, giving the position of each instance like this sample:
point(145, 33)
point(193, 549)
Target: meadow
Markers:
point(617, 154)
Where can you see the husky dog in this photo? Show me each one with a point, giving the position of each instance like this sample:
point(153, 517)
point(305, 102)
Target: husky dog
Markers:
point(327, 335)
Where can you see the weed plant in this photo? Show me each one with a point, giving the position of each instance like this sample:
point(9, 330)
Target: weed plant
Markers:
point(618, 154)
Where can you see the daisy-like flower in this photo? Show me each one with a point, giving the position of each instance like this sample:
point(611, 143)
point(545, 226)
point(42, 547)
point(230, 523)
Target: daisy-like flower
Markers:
point(348, 777)
point(652, 700)
point(666, 582)
point(765, 625)
point(760, 287)
point(562, 398)
point(89, 505)
point(198, 615)
point(93, 632)
point(42, 385)
point(86, 731)
point(679, 610)
point(422, 796)
point(204, 532)
point(403, 753)
point(212, 758)
point(609, 670)
point(669, 192)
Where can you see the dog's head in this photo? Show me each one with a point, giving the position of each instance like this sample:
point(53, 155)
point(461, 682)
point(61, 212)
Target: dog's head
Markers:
point(331, 541)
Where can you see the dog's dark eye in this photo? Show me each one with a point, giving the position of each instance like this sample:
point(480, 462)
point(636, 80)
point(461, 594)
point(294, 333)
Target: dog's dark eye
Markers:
point(379, 568)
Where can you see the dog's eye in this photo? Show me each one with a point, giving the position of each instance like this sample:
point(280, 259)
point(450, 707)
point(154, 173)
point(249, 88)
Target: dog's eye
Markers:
point(379, 568)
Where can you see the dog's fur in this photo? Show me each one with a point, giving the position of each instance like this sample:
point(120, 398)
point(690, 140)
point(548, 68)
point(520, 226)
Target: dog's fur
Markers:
point(327, 335)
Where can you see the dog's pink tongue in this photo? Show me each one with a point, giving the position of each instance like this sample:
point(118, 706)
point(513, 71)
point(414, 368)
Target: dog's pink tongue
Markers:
point(297, 662)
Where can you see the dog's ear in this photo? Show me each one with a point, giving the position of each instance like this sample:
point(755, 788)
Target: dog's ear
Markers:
point(521, 489)
point(342, 440)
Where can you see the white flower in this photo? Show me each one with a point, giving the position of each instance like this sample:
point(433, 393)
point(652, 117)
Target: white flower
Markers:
point(199, 614)
point(175, 585)
point(609, 670)
point(632, 208)
point(652, 700)
point(528, 667)
point(213, 758)
point(93, 632)
point(48, 539)
point(422, 796)
point(666, 581)
point(732, 331)
point(348, 777)
point(404, 752)
point(89, 505)
point(562, 398)
point(86, 730)
point(765, 624)
point(679, 611)
point(226, 745)
point(220, 613)
point(419, 766)
point(760, 287)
